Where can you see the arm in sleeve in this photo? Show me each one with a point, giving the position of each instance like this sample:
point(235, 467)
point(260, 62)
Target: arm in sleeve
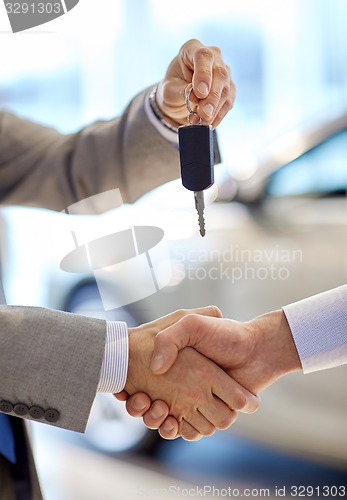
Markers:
point(319, 328)
point(50, 360)
point(41, 167)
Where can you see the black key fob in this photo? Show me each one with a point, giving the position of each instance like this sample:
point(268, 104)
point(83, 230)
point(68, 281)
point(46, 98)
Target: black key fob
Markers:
point(196, 156)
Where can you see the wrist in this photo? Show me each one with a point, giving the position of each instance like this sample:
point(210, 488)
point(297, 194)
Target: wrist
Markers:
point(276, 343)
point(141, 346)
point(157, 110)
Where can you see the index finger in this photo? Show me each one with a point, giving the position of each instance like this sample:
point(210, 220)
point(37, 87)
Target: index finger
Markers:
point(172, 318)
point(233, 394)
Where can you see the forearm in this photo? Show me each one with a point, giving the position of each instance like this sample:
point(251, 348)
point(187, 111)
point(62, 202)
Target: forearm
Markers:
point(274, 346)
point(40, 167)
point(310, 334)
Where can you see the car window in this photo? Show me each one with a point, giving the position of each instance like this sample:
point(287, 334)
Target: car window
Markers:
point(322, 170)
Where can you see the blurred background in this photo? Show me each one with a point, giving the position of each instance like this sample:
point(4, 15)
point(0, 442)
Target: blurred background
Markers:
point(278, 206)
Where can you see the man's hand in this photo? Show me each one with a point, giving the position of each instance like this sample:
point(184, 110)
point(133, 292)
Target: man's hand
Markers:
point(213, 90)
point(200, 396)
point(255, 353)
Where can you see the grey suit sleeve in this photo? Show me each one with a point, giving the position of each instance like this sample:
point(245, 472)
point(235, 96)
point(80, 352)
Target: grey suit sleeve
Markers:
point(319, 328)
point(50, 360)
point(41, 167)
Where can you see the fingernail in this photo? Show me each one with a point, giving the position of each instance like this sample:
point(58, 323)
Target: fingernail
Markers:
point(138, 404)
point(203, 88)
point(168, 427)
point(209, 110)
point(156, 412)
point(157, 362)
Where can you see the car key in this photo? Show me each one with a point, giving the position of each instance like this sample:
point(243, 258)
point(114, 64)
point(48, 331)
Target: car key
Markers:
point(197, 160)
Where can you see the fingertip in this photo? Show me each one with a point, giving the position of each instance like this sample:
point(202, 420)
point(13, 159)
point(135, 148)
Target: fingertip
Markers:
point(228, 421)
point(169, 429)
point(138, 404)
point(212, 311)
point(202, 90)
point(156, 415)
point(157, 363)
point(195, 438)
point(256, 404)
point(122, 396)
point(216, 312)
point(253, 405)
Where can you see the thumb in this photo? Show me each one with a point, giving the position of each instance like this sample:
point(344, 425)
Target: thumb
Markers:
point(185, 332)
point(164, 355)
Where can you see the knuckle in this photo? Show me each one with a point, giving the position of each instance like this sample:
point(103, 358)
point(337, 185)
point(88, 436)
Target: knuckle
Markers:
point(215, 311)
point(215, 95)
point(222, 72)
point(191, 41)
point(186, 46)
point(195, 396)
point(216, 49)
point(182, 312)
point(204, 52)
point(228, 104)
point(190, 320)
point(186, 316)
point(226, 91)
point(205, 72)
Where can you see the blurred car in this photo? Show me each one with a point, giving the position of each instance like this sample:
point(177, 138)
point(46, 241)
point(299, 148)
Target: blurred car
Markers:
point(276, 232)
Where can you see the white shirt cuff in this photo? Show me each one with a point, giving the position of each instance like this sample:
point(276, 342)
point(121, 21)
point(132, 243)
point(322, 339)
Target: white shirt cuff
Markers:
point(165, 132)
point(115, 363)
point(319, 328)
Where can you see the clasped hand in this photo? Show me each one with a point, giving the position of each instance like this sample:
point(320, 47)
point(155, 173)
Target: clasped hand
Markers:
point(199, 395)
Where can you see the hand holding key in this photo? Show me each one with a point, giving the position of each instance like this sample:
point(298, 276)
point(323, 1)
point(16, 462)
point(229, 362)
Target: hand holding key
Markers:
point(213, 90)
point(212, 93)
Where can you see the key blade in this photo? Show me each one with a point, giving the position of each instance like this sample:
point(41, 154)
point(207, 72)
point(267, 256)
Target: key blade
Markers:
point(200, 206)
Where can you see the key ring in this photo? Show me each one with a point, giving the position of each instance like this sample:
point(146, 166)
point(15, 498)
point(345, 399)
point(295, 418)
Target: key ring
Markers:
point(188, 91)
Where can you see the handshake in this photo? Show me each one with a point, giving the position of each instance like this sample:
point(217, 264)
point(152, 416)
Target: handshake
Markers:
point(190, 372)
